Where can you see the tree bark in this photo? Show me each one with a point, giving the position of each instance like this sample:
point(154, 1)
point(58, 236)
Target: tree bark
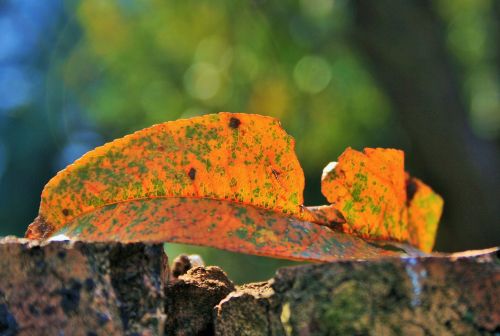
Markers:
point(454, 295)
point(81, 288)
point(123, 289)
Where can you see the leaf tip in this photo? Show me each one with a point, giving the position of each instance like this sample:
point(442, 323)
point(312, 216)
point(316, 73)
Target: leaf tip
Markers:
point(39, 229)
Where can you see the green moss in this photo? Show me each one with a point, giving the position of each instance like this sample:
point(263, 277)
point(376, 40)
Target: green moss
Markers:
point(341, 315)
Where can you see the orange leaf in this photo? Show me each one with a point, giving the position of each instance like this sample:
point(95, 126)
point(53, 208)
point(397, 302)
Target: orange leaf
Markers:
point(424, 211)
point(239, 157)
point(231, 181)
point(368, 196)
point(221, 224)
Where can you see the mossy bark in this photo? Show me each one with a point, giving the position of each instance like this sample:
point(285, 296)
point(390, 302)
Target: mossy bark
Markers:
point(123, 289)
point(410, 296)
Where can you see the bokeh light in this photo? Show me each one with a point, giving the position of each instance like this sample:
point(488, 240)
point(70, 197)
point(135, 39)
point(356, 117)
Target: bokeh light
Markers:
point(202, 80)
point(312, 74)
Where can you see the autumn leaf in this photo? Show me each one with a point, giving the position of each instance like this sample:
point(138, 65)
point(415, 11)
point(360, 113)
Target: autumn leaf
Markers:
point(424, 210)
point(228, 180)
point(372, 196)
point(221, 224)
point(239, 157)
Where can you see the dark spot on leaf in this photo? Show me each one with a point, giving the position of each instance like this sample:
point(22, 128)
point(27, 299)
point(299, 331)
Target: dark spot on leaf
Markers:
point(61, 254)
point(411, 189)
point(160, 148)
point(192, 173)
point(275, 173)
point(234, 122)
point(65, 212)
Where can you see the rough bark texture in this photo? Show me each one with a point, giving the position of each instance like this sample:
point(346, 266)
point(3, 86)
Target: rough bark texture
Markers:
point(64, 288)
point(116, 289)
point(191, 299)
point(411, 296)
point(247, 311)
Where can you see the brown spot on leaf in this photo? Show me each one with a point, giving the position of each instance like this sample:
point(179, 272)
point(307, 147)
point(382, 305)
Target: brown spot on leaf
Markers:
point(234, 122)
point(275, 173)
point(411, 189)
point(65, 212)
point(192, 173)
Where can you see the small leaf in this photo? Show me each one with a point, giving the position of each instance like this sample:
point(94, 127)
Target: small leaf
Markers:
point(369, 197)
point(424, 211)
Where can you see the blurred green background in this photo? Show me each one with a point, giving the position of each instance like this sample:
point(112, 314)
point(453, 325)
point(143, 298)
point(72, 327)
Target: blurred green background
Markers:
point(422, 76)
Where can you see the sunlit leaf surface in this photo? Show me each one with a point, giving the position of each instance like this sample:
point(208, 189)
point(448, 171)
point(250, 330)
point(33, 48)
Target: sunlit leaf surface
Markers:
point(372, 196)
point(424, 210)
point(240, 157)
point(233, 181)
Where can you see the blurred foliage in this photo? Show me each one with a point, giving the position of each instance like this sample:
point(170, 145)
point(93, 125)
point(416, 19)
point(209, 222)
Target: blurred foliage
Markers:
point(76, 74)
point(473, 38)
point(242, 268)
point(179, 60)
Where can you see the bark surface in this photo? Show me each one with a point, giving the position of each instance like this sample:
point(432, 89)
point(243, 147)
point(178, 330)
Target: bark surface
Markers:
point(63, 288)
point(76, 288)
